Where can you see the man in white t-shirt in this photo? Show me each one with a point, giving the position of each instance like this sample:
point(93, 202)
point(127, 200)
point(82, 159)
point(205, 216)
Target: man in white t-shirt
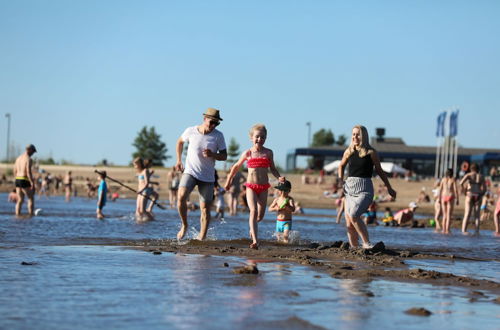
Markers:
point(205, 146)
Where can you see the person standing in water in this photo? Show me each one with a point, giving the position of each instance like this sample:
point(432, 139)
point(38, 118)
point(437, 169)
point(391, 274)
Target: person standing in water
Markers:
point(68, 185)
point(358, 187)
point(474, 185)
point(25, 183)
point(205, 145)
point(102, 193)
point(448, 195)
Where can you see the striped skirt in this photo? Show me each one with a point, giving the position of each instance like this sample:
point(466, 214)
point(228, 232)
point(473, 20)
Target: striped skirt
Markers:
point(358, 196)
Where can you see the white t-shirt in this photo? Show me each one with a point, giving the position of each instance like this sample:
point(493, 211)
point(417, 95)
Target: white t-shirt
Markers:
point(198, 166)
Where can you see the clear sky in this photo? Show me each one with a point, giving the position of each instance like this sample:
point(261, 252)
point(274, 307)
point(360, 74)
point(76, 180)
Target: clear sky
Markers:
point(80, 78)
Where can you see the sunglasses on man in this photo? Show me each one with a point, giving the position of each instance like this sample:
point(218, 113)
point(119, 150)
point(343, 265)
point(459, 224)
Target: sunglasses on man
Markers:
point(214, 122)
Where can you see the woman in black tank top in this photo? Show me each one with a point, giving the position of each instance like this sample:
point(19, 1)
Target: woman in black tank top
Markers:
point(358, 187)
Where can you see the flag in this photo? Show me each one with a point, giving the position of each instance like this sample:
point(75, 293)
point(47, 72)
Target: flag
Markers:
point(454, 123)
point(440, 124)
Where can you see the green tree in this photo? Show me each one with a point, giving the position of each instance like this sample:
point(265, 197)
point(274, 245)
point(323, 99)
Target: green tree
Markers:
point(233, 151)
point(149, 146)
point(341, 140)
point(323, 137)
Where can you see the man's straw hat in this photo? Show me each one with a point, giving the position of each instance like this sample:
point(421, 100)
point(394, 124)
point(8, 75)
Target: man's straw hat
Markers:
point(212, 113)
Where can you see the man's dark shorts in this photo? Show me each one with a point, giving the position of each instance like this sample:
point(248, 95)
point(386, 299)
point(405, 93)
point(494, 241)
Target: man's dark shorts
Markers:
point(21, 183)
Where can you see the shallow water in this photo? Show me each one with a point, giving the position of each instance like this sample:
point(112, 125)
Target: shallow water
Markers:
point(74, 284)
point(101, 287)
point(74, 222)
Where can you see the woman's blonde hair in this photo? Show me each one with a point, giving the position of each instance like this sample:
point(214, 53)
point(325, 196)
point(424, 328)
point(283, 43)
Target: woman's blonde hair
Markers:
point(257, 127)
point(365, 147)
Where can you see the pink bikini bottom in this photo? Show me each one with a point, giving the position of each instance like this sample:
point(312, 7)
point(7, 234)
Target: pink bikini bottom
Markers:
point(258, 188)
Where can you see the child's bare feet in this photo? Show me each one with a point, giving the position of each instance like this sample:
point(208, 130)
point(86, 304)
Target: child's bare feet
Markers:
point(254, 246)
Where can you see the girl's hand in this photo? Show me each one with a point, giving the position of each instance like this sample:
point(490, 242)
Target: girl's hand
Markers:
point(281, 179)
point(227, 186)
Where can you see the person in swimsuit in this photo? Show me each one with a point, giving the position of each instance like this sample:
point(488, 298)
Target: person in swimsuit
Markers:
point(405, 215)
point(285, 206)
point(358, 187)
point(25, 183)
point(474, 186)
point(259, 162)
point(206, 145)
point(151, 194)
point(143, 190)
point(448, 194)
point(173, 187)
point(496, 215)
point(68, 185)
point(438, 212)
point(234, 193)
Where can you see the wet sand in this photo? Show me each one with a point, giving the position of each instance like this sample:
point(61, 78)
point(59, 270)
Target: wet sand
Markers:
point(336, 259)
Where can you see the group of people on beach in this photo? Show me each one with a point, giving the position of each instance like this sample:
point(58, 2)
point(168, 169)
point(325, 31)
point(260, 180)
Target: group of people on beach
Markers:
point(447, 195)
point(206, 145)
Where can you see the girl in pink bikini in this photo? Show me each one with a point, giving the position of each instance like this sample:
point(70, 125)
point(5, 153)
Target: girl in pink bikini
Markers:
point(448, 194)
point(259, 161)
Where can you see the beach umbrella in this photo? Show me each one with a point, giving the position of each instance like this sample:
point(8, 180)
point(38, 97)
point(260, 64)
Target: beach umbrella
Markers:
point(390, 167)
point(333, 166)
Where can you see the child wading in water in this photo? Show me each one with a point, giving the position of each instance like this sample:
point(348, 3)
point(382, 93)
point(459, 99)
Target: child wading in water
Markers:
point(285, 206)
point(143, 190)
point(259, 159)
point(102, 192)
point(151, 193)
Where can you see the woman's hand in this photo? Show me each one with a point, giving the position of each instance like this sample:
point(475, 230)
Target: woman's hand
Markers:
point(392, 192)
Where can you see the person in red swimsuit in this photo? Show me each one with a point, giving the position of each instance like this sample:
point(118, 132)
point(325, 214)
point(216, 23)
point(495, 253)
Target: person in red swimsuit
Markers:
point(259, 162)
point(448, 195)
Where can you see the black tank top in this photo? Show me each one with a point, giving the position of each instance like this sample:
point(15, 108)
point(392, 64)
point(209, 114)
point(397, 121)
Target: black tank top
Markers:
point(360, 167)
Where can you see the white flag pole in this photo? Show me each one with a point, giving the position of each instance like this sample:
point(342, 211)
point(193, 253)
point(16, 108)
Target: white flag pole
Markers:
point(436, 170)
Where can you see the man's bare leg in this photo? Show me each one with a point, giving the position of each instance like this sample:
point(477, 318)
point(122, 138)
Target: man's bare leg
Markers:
point(182, 196)
point(20, 201)
point(204, 219)
point(31, 201)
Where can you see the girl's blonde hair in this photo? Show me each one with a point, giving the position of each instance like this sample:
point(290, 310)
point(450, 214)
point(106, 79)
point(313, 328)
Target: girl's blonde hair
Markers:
point(258, 127)
point(139, 162)
point(365, 147)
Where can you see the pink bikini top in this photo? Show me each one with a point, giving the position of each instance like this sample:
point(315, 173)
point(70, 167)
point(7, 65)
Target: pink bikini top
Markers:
point(258, 162)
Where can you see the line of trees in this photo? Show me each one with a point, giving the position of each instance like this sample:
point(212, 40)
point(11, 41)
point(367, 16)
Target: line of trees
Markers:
point(325, 137)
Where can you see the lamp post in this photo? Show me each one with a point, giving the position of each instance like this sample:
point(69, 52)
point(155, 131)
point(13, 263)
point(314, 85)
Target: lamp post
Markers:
point(7, 115)
point(308, 124)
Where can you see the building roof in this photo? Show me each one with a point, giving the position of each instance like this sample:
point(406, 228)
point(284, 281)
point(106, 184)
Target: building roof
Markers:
point(393, 148)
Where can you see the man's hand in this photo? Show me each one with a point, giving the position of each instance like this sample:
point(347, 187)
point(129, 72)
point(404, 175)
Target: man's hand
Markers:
point(179, 167)
point(207, 153)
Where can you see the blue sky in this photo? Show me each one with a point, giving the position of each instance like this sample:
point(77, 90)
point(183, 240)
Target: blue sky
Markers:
point(80, 78)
